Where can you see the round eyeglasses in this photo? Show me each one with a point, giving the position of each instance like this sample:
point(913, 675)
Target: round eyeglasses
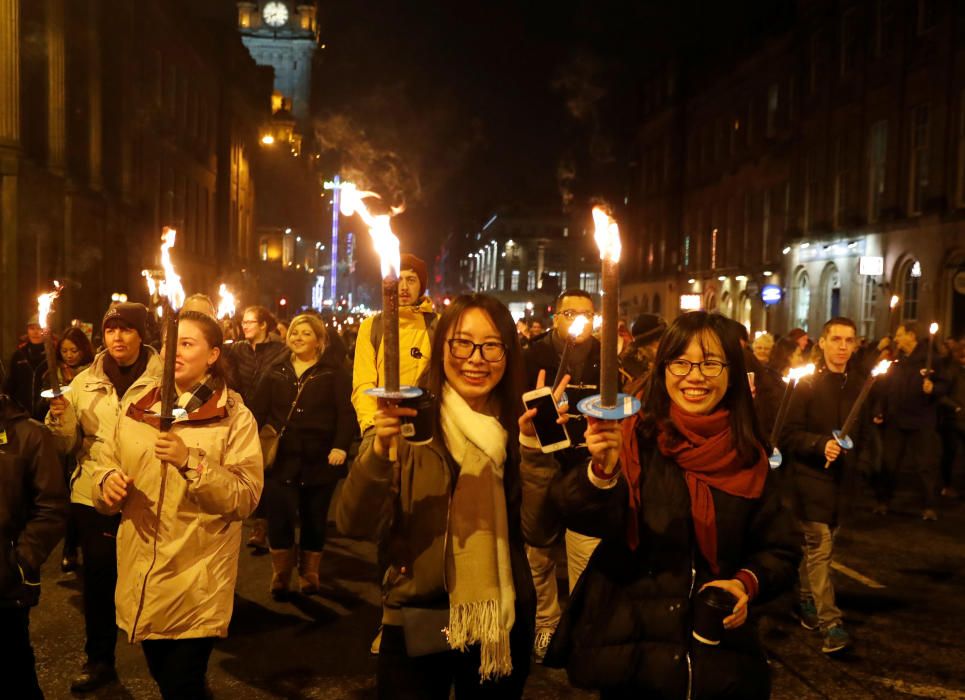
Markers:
point(708, 368)
point(463, 349)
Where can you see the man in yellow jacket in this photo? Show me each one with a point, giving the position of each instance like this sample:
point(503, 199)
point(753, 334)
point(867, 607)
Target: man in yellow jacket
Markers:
point(416, 321)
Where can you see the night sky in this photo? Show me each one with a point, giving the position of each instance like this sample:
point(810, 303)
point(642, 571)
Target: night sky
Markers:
point(461, 108)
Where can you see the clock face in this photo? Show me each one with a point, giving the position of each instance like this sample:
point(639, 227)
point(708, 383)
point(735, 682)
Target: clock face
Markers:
point(275, 14)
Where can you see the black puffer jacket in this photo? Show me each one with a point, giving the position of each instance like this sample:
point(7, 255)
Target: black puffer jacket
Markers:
point(628, 626)
point(819, 405)
point(251, 364)
point(33, 504)
point(906, 405)
point(323, 419)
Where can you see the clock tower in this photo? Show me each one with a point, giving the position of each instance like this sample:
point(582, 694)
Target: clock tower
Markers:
point(283, 34)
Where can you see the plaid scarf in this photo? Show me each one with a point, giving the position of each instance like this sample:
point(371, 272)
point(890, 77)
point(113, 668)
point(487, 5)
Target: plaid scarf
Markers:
point(197, 396)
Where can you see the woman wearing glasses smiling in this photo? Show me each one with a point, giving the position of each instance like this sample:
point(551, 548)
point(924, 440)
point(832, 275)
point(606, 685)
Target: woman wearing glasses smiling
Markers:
point(449, 511)
point(683, 499)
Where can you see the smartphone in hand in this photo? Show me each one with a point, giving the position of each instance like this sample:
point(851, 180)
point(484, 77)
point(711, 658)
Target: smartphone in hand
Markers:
point(551, 435)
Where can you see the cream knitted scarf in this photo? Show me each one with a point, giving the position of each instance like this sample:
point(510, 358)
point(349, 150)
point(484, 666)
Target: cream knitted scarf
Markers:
point(479, 573)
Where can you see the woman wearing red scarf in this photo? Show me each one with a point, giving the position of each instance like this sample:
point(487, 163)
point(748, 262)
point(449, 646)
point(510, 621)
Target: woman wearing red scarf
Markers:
point(683, 499)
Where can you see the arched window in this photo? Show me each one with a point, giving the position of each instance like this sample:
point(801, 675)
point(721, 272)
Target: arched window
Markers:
point(909, 278)
point(831, 291)
point(645, 304)
point(802, 300)
point(655, 308)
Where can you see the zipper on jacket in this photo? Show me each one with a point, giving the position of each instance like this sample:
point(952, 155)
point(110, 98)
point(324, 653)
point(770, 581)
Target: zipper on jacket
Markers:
point(157, 531)
point(160, 510)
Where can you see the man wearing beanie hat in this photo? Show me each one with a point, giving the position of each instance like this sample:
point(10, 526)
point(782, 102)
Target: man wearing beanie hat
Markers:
point(82, 422)
point(417, 320)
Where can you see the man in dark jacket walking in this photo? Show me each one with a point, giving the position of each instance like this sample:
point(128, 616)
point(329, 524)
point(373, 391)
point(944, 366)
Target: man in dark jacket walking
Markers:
point(27, 369)
point(33, 513)
point(910, 396)
point(820, 405)
point(544, 353)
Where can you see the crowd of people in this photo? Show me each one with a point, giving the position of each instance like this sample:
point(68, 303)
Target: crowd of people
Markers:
point(655, 513)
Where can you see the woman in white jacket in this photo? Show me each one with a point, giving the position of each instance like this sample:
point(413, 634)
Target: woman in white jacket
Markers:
point(182, 496)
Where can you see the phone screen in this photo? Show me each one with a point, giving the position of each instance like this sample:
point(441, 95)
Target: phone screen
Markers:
point(548, 430)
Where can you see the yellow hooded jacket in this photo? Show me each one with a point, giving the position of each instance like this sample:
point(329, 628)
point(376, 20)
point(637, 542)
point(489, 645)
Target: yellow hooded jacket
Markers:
point(367, 371)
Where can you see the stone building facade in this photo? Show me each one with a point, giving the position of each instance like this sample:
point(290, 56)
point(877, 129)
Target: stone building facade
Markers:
point(116, 119)
point(828, 165)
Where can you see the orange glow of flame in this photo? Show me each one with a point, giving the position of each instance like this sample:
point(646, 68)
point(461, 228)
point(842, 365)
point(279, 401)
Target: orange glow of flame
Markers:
point(44, 304)
point(933, 328)
point(598, 322)
point(579, 323)
point(170, 287)
point(380, 227)
point(226, 303)
point(798, 373)
point(607, 235)
point(894, 300)
point(881, 368)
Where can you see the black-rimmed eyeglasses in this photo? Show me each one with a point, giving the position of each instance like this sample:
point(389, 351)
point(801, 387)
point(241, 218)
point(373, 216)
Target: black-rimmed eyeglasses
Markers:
point(463, 349)
point(708, 368)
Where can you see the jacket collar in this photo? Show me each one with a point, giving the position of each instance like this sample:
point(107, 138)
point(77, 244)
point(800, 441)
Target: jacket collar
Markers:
point(214, 408)
point(96, 379)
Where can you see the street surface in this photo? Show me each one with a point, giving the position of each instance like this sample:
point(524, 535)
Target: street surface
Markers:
point(899, 583)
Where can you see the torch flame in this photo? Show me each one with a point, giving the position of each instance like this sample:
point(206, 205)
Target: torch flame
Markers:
point(798, 373)
point(894, 300)
point(44, 304)
point(380, 227)
point(933, 328)
point(151, 286)
point(607, 235)
point(170, 287)
point(226, 304)
point(881, 368)
point(579, 323)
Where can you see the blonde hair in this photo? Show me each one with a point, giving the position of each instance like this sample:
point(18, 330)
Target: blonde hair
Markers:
point(317, 326)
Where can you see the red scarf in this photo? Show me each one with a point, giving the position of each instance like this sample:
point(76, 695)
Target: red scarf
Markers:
point(704, 450)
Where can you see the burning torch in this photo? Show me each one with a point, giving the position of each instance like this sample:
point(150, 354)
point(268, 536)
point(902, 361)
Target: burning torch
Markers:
point(576, 328)
point(44, 304)
point(793, 376)
point(843, 436)
point(171, 291)
point(608, 404)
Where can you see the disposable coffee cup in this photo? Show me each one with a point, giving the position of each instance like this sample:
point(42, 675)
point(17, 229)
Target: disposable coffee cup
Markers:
point(712, 605)
point(417, 429)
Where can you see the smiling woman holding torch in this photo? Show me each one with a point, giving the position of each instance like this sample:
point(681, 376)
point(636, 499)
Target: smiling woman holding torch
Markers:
point(201, 478)
point(692, 530)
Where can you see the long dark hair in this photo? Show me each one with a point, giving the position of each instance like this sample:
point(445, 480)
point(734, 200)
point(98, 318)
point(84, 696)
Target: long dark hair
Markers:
point(508, 392)
point(745, 431)
point(80, 339)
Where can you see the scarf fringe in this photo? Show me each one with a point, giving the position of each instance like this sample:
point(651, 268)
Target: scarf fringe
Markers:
point(479, 621)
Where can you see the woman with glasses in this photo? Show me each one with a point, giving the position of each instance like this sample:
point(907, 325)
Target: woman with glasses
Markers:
point(683, 499)
point(449, 513)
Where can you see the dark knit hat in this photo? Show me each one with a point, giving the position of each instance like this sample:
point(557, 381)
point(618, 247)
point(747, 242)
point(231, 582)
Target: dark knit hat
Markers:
point(418, 266)
point(647, 328)
point(130, 313)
